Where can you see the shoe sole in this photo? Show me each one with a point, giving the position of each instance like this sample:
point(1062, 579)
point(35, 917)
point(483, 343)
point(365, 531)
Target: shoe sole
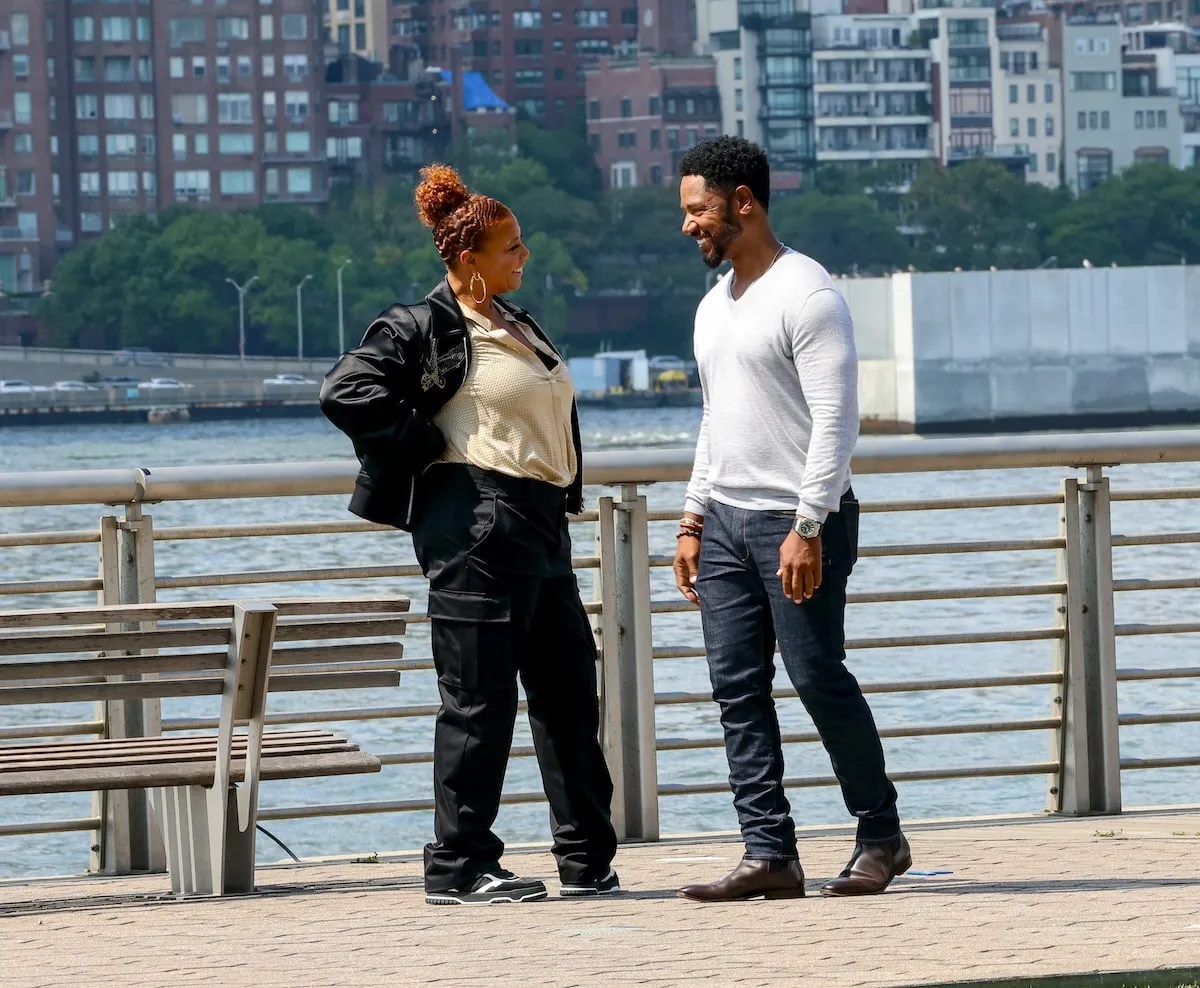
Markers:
point(900, 870)
point(449, 899)
point(773, 894)
point(585, 893)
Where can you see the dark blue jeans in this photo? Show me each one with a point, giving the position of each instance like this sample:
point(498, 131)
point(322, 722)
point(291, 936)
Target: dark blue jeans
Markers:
point(744, 612)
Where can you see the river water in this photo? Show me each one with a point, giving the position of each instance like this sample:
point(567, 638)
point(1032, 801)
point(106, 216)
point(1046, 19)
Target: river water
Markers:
point(244, 442)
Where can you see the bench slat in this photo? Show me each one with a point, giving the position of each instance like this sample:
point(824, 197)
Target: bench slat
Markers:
point(145, 689)
point(152, 742)
point(339, 627)
point(114, 641)
point(130, 613)
point(300, 682)
point(134, 757)
point(88, 779)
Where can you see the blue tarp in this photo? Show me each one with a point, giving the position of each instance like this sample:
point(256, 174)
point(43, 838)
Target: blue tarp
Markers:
point(477, 94)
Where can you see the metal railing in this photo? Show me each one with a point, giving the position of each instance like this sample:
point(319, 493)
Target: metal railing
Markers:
point(647, 722)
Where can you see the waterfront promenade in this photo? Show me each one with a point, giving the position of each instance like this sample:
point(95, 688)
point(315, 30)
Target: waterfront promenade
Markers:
point(1016, 900)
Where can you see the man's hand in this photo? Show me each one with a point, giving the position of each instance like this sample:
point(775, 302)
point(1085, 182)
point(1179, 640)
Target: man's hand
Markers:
point(687, 557)
point(799, 567)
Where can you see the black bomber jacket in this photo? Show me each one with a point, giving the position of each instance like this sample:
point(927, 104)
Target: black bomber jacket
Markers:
point(384, 393)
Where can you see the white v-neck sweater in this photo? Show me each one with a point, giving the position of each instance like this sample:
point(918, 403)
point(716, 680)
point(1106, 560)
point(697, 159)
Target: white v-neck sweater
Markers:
point(780, 378)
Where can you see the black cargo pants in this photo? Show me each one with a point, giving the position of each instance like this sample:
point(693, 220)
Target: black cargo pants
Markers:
point(503, 602)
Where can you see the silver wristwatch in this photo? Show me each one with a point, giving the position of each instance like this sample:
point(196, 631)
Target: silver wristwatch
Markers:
point(806, 528)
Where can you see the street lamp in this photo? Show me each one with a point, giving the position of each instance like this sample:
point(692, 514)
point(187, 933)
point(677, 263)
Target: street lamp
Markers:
point(341, 317)
point(241, 290)
point(300, 316)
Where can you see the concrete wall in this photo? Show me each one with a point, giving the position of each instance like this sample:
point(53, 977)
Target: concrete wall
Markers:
point(982, 346)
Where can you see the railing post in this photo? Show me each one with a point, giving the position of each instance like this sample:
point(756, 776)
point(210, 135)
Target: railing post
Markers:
point(1090, 778)
point(131, 841)
point(628, 729)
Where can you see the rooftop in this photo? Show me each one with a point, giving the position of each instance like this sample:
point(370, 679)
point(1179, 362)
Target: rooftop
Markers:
point(998, 899)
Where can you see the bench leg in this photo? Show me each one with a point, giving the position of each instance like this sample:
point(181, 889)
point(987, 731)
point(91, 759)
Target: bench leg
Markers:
point(204, 857)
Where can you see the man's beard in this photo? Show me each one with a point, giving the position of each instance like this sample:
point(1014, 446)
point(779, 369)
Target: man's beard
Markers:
point(723, 239)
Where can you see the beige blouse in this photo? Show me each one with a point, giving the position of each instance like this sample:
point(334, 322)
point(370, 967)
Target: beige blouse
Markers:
point(511, 415)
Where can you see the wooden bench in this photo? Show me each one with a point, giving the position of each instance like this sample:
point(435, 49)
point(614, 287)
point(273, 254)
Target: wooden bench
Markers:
point(227, 649)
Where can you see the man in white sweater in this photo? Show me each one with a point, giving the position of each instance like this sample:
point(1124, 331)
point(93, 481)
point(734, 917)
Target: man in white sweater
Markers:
point(769, 533)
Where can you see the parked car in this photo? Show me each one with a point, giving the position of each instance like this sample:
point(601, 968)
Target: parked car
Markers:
point(19, 387)
point(164, 383)
point(287, 380)
point(140, 356)
point(73, 386)
point(120, 381)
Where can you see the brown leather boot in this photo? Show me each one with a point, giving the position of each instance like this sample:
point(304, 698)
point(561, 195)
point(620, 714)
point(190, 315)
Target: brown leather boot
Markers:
point(777, 879)
point(872, 868)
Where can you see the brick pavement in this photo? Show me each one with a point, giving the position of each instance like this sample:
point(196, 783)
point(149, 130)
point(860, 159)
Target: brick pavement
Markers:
point(1022, 900)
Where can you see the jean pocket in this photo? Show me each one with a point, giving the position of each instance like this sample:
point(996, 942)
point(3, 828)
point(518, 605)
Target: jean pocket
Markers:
point(484, 523)
point(472, 636)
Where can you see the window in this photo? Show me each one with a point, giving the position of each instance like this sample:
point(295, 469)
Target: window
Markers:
point(83, 29)
point(656, 174)
point(1051, 164)
point(234, 143)
point(269, 107)
point(89, 145)
point(234, 108)
point(673, 138)
point(293, 27)
point(149, 183)
point(23, 108)
point(21, 66)
point(245, 66)
point(119, 69)
point(199, 66)
point(1032, 163)
point(295, 67)
point(119, 107)
point(89, 183)
point(1162, 118)
point(1049, 124)
point(693, 135)
point(1014, 94)
point(222, 68)
point(527, 77)
point(298, 141)
point(237, 183)
point(1031, 93)
point(266, 27)
point(527, 20)
point(623, 175)
point(23, 144)
point(343, 112)
point(299, 181)
point(558, 44)
point(116, 29)
point(1092, 168)
point(26, 183)
point(121, 145)
point(91, 222)
point(1093, 82)
point(143, 29)
point(176, 67)
point(179, 146)
point(1014, 127)
point(200, 143)
point(271, 182)
point(655, 139)
point(146, 106)
point(185, 30)
point(87, 107)
point(295, 105)
point(55, 186)
point(1104, 120)
point(738, 103)
point(85, 69)
point(145, 68)
point(1049, 98)
point(1139, 120)
point(344, 148)
point(626, 107)
point(627, 139)
point(1031, 127)
point(233, 29)
point(591, 18)
point(737, 68)
point(655, 106)
point(123, 184)
point(594, 110)
point(148, 145)
point(20, 29)
point(268, 66)
point(53, 107)
point(188, 184)
point(529, 47)
point(360, 36)
point(189, 108)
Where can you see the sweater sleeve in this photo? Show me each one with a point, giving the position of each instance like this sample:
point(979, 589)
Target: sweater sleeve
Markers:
point(827, 364)
point(696, 499)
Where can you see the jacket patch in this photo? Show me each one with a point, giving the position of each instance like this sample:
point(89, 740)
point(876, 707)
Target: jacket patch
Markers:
point(436, 366)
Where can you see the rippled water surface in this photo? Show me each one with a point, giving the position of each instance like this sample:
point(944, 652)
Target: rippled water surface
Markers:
point(156, 446)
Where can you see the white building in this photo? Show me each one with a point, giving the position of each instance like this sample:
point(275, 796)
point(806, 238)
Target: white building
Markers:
point(1030, 108)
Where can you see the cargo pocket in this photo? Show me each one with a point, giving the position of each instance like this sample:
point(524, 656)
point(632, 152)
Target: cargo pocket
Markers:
point(849, 511)
point(472, 640)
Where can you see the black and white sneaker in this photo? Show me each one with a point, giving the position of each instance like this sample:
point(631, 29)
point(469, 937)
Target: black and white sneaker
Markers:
point(497, 886)
point(601, 886)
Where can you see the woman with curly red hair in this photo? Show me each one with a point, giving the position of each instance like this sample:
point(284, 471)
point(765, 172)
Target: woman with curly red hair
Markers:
point(463, 417)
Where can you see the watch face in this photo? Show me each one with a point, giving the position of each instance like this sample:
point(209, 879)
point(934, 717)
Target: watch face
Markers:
point(807, 528)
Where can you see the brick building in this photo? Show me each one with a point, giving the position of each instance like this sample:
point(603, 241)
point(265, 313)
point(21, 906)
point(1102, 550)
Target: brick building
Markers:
point(644, 112)
point(535, 57)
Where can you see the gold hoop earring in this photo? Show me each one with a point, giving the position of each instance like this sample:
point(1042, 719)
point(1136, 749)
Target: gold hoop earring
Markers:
point(471, 288)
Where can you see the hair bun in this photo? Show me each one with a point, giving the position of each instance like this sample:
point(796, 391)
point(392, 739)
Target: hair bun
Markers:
point(440, 193)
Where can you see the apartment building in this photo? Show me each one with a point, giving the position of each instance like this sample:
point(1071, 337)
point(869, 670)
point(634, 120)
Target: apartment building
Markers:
point(1030, 109)
point(359, 27)
point(130, 107)
point(534, 56)
point(873, 92)
point(1177, 59)
point(645, 112)
point(1117, 108)
point(763, 51)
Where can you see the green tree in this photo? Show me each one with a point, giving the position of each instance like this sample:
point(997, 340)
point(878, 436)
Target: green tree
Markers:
point(847, 233)
point(565, 153)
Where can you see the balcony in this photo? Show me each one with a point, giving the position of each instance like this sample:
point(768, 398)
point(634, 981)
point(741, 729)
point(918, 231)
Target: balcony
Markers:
point(968, 41)
point(63, 235)
point(785, 113)
point(970, 76)
point(17, 234)
point(757, 15)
